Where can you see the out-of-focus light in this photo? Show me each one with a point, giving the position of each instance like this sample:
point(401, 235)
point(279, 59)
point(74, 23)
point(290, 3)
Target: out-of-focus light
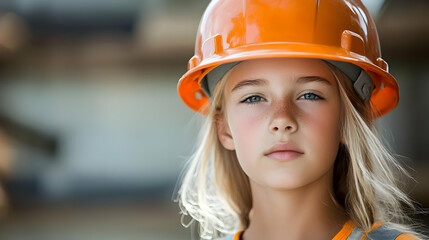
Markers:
point(6, 158)
point(373, 6)
point(13, 33)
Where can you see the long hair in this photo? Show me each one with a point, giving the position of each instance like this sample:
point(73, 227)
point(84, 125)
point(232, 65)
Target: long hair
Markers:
point(216, 192)
point(367, 176)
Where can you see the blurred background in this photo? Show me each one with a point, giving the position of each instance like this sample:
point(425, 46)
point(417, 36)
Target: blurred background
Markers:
point(93, 136)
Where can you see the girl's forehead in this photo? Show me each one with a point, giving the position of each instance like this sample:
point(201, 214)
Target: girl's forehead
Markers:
point(284, 66)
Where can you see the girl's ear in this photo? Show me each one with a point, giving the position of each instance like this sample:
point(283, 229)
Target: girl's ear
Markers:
point(223, 132)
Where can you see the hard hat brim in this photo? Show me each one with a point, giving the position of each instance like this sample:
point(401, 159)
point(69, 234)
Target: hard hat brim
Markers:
point(385, 95)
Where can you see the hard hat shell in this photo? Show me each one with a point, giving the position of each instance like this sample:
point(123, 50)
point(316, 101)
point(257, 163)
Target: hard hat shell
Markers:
point(237, 30)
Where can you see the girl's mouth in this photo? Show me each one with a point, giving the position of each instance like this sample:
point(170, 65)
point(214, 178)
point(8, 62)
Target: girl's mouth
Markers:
point(284, 155)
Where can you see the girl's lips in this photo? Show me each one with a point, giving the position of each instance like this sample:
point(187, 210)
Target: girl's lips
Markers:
point(284, 147)
point(284, 155)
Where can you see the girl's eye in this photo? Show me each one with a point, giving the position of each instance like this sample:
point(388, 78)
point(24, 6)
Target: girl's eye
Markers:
point(311, 96)
point(252, 99)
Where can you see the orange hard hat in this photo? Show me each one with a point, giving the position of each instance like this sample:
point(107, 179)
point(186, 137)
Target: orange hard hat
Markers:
point(339, 31)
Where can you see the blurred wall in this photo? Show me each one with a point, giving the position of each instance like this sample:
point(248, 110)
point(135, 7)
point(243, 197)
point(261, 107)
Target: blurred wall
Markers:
point(99, 81)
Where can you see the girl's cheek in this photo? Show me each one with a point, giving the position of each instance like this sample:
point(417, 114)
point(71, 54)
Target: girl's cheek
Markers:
point(252, 111)
point(313, 108)
point(249, 115)
point(323, 120)
point(246, 120)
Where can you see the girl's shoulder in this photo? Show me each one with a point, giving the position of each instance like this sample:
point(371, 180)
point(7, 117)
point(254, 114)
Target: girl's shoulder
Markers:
point(406, 236)
point(236, 236)
point(379, 231)
point(402, 236)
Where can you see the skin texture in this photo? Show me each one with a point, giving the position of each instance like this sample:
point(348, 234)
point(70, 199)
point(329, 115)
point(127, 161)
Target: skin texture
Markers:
point(289, 195)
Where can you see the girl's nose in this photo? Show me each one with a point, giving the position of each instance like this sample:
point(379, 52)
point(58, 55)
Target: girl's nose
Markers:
point(283, 121)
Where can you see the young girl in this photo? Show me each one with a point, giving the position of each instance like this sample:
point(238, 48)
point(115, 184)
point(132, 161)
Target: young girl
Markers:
point(288, 150)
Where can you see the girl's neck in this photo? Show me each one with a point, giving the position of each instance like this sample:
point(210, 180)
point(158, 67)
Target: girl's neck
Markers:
point(304, 213)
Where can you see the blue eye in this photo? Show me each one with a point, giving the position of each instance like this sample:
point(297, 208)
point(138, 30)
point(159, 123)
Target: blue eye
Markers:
point(311, 96)
point(252, 99)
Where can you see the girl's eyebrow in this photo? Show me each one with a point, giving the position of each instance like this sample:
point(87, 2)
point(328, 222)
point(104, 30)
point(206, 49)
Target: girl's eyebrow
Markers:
point(252, 82)
point(307, 79)
point(261, 82)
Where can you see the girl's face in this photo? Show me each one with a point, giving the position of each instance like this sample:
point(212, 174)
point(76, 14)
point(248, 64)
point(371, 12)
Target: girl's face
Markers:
point(282, 119)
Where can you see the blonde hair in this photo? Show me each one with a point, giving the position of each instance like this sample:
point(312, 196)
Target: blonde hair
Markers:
point(216, 192)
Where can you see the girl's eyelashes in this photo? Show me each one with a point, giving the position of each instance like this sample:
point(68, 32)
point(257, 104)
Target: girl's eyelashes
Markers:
point(311, 96)
point(256, 98)
point(252, 99)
